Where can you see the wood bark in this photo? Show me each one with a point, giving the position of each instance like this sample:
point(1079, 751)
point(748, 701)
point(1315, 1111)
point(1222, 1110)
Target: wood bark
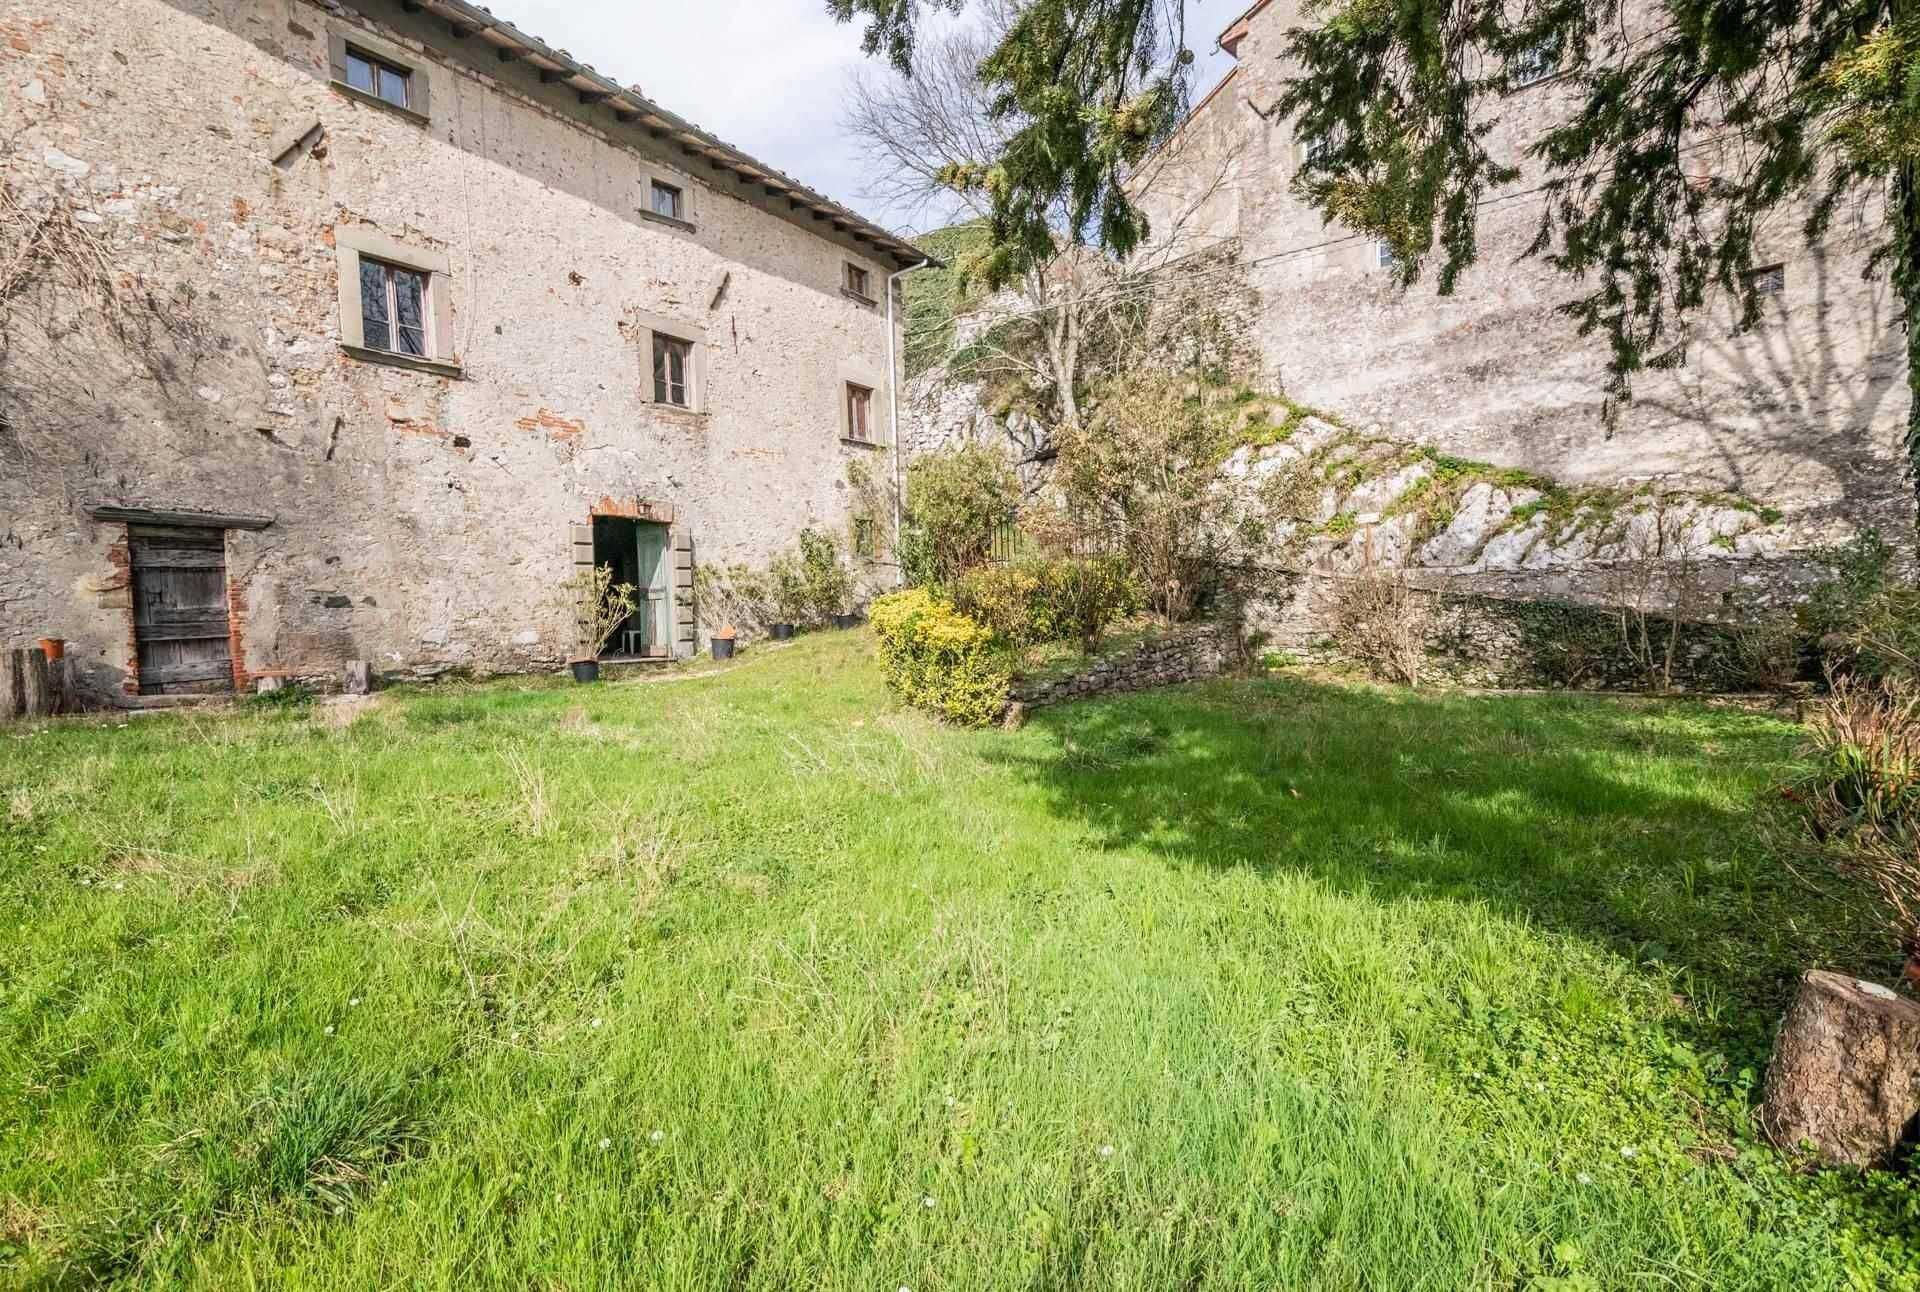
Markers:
point(36, 684)
point(1845, 1076)
point(13, 700)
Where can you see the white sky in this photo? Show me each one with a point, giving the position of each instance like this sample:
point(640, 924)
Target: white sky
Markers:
point(765, 75)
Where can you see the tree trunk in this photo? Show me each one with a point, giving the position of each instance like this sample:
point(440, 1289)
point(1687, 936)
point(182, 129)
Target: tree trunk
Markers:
point(13, 668)
point(1845, 1076)
point(1906, 281)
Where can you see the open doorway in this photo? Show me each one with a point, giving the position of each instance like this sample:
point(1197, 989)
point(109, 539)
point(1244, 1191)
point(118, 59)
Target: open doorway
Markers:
point(637, 552)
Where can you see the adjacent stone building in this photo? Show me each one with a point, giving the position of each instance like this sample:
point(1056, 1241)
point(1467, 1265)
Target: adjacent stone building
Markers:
point(1802, 416)
point(348, 331)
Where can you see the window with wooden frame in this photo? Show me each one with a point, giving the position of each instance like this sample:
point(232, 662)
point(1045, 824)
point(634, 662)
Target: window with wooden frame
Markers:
point(858, 281)
point(859, 413)
point(863, 536)
point(394, 308)
point(672, 371)
point(667, 200)
point(385, 81)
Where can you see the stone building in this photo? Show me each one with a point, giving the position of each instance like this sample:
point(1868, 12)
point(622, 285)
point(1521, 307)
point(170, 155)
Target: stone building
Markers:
point(349, 330)
point(1802, 415)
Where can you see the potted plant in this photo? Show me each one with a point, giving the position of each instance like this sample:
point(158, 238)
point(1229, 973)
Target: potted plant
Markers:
point(599, 606)
point(786, 596)
point(726, 598)
point(829, 586)
point(722, 641)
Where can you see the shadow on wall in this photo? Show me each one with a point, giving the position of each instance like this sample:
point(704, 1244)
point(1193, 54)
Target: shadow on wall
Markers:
point(1584, 817)
point(1804, 400)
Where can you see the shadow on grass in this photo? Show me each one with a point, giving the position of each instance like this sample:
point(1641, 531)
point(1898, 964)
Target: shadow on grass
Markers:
point(1632, 825)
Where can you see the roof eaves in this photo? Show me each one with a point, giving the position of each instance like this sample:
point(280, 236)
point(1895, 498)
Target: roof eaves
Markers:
point(469, 21)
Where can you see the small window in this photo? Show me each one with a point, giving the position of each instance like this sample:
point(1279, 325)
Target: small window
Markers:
point(863, 536)
point(1533, 64)
point(667, 201)
point(672, 358)
point(858, 280)
point(859, 412)
point(1769, 281)
point(393, 308)
point(1383, 257)
point(1317, 147)
point(382, 80)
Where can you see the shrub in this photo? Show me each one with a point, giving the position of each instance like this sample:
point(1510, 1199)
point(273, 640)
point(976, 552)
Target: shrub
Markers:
point(787, 598)
point(828, 588)
point(935, 658)
point(1044, 599)
point(1143, 475)
point(1383, 622)
point(599, 607)
point(957, 498)
point(735, 597)
point(1863, 620)
point(1862, 801)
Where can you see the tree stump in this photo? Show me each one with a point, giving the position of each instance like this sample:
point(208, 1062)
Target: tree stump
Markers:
point(1845, 1076)
point(359, 677)
point(13, 697)
point(36, 684)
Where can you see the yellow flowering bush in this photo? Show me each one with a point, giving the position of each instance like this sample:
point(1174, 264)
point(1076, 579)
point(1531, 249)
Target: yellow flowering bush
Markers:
point(935, 658)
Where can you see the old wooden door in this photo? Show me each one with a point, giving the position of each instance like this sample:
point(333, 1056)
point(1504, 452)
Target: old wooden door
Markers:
point(180, 609)
point(651, 592)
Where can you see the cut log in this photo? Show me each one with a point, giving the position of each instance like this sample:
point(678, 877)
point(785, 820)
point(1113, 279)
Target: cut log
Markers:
point(359, 677)
point(1845, 1076)
point(36, 684)
point(13, 698)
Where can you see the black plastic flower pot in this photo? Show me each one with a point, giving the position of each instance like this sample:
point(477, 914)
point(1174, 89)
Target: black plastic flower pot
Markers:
point(723, 648)
point(846, 621)
point(586, 670)
point(782, 632)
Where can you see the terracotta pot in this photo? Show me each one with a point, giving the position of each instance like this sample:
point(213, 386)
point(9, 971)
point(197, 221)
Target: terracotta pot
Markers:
point(53, 648)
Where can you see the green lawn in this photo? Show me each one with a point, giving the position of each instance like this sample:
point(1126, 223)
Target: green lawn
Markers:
point(755, 981)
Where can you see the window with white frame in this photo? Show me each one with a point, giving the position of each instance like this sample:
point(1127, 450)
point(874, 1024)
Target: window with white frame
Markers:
point(388, 82)
point(394, 308)
point(1383, 257)
point(395, 304)
point(672, 371)
point(668, 200)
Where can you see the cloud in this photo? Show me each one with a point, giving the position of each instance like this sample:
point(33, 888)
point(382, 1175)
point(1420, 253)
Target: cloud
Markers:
point(765, 75)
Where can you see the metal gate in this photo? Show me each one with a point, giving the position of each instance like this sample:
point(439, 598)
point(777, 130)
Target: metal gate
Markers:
point(180, 624)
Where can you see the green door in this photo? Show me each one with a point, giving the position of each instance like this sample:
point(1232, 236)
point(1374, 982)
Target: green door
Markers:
point(651, 592)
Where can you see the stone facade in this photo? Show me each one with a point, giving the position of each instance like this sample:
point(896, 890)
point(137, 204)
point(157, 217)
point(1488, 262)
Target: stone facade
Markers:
point(421, 510)
point(1802, 415)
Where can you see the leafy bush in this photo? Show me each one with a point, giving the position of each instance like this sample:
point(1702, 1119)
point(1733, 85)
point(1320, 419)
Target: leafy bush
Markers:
point(956, 498)
point(1863, 620)
point(935, 658)
point(827, 587)
point(787, 594)
point(1043, 599)
point(599, 607)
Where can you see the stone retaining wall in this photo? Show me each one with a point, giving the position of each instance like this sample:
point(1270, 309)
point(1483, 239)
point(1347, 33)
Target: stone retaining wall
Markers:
point(1185, 654)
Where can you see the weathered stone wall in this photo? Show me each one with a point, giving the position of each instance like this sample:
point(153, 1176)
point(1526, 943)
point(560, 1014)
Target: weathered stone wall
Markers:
point(1802, 415)
point(418, 519)
point(1185, 654)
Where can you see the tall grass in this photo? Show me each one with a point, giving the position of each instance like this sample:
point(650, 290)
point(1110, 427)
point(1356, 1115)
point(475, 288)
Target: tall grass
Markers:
point(755, 981)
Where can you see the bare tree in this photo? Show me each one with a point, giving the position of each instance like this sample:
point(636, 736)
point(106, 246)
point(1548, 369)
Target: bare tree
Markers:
point(1070, 321)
